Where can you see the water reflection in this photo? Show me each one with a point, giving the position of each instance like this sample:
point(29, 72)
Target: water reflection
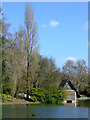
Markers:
point(46, 111)
point(84, 103)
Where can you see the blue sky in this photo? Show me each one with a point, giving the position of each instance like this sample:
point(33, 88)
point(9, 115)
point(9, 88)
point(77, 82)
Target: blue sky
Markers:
point(62, 28)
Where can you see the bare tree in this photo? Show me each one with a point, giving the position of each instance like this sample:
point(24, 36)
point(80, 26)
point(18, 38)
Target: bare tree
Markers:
point(77, 72)
point(31, 40)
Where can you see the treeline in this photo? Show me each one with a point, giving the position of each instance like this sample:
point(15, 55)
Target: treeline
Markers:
point(77, 72)
point(23, 68)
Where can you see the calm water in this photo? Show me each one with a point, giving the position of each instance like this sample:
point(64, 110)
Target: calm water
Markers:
point(46, 111)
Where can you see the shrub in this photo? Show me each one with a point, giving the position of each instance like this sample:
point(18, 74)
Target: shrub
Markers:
point(4, 97)
point(62, 93)
point(37, 94)
point(53, 95)
point(34, 99)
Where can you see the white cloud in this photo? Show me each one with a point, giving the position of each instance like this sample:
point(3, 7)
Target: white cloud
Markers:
point(71, 58)
point(54, 23)
point(62, 62)
point(51, 24)
point(44, 26)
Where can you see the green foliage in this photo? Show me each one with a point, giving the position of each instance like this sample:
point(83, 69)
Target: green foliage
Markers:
point(37, 94)
point(6, 86)
point(5, 96)
point(62, 93)
point(53, 95)
point(34, 99)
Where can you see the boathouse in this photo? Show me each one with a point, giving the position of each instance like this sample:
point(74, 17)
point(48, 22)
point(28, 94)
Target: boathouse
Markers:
point(71, 92)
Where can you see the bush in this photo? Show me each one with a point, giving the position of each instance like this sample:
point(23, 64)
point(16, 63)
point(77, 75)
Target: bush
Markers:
point(34, 99)
point(4, 97)
point(37, 94)
point(62, 93)
point(53, 95)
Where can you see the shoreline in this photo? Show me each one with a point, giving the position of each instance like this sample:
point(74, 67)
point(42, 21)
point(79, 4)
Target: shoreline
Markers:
point(20, 103)
point(23, 101)
point(83, 98)
point(17, 101)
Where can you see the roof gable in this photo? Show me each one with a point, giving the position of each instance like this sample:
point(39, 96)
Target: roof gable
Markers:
point(66, 83)
point(67, 86)
point(63, 83)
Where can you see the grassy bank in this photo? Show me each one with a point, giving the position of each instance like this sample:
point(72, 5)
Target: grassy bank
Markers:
point(17, 101)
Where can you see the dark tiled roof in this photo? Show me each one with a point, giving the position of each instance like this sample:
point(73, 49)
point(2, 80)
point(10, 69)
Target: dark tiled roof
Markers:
point(71, 85)
point(62, 84)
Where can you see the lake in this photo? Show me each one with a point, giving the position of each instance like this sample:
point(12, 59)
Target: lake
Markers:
point(46, 110)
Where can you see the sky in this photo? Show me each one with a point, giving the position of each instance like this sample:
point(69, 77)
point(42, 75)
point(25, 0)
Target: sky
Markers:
point(62, 28)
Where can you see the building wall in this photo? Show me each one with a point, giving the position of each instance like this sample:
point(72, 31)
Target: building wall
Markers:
point(70, 95)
